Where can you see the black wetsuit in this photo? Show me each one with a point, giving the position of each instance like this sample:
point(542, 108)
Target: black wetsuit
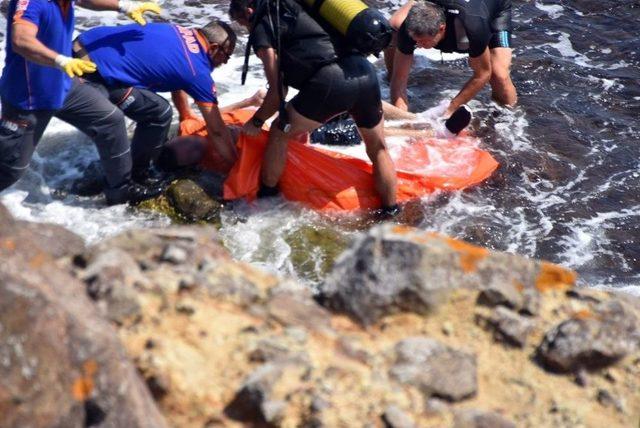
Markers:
point(330, 81)
point(472, 26)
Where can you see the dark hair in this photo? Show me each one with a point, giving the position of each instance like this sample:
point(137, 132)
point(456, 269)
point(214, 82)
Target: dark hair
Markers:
point(237, 8)
point(425, 19)
point(167, 161)
point(218, 32)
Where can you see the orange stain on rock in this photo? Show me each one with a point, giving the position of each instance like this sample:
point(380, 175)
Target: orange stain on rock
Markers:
point(470, 255)
point(38, 260)
point(554, 277)
point(584, 314)
point(83, 386)
point(9, 244)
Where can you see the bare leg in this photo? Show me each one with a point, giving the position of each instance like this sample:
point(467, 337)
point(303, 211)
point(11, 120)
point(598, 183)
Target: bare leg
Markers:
point(384, 172)
point(275, 156)
point(503, 90)
point(392, 112)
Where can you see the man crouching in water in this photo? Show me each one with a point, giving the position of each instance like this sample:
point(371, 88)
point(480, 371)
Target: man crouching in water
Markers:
point(330, 81)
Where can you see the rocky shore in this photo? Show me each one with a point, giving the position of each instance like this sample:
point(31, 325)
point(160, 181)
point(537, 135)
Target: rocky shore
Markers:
point(159, 328)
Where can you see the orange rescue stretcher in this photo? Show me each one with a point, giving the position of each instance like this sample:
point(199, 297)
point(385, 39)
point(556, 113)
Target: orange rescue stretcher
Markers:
point(326, 180)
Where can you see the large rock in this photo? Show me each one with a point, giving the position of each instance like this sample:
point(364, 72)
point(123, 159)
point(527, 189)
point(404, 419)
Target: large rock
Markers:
point(478, 419)
point(191, 201)
point(61, 364)
point(436, 369)
point(591, 339)
point(47, 238)
point(394, 269)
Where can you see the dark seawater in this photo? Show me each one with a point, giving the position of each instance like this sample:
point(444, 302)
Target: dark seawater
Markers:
point(567, 188)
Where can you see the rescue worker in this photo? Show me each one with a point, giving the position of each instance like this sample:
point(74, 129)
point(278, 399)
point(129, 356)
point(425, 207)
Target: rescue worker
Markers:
point(136, 62)
point(37, 85)
point(330, 79)
point(481, 28)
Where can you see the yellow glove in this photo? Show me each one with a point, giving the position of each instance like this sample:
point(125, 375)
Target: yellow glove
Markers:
point(134, 10)
point(73, 66)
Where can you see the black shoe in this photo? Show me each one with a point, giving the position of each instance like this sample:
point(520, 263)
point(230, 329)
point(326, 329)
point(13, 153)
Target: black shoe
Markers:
point(387, 213)
point(268, 191)
point(132, 193)
point(149, 177)
point(459, 120)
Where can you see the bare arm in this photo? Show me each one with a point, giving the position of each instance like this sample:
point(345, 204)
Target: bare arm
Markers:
point(254, 100)
point(481, 67)
point(272, 99)
point(25, 43)
point(181, 101)
point(392, 112)
point(219, 133)
point(99, 4)
point(402, 132)
point(399, 78)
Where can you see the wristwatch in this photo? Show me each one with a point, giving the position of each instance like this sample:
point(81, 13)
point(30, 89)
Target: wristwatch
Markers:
point(257, 122)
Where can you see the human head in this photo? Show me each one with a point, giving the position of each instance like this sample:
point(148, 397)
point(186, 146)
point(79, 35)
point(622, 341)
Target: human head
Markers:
point(221, 39)
point(241, 11)
point(426, 24)
point(181, 152)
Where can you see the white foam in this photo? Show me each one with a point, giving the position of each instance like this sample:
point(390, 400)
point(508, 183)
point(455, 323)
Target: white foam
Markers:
point(553, 10)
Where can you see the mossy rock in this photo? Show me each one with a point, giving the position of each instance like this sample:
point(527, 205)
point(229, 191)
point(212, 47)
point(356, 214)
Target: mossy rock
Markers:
point(314, 250)
point(184, 201)
point(191, 202)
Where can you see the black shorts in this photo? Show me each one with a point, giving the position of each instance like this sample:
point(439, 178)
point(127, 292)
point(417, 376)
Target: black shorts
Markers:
point(348, 85)
point(502, 27)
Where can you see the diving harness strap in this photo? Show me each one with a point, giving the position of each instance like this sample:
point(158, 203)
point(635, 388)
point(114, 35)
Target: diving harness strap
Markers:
point(262, 7)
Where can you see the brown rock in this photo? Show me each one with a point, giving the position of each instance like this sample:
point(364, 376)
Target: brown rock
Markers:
point(591, 339)
point(400, 269)
point(62, 365)
point(394, 417)
point(436, 369)
point(297, 308)
point(510, 327)
point(479, 419)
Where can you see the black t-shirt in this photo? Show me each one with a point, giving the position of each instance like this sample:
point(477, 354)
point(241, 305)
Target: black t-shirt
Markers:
point(468, 30)
point(306, 46)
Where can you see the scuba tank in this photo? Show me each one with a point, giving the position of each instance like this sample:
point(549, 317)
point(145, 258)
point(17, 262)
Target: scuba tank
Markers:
point(365, 28)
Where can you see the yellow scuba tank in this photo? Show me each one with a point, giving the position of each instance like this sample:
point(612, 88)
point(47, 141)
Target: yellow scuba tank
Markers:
point(365, 28)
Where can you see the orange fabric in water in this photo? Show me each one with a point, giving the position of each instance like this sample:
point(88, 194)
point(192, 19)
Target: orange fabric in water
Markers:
point(327, 180)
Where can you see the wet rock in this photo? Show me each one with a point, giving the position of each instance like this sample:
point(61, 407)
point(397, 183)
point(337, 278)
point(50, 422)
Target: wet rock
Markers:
point(394, 417)
point(111, 277)
point(510, 327)
point(437, 370)
point(262, 397)
point(592, 339)
point(479, 419)
point(62, 365)
point(191, 201)
point(399, 269)
point(314, 250)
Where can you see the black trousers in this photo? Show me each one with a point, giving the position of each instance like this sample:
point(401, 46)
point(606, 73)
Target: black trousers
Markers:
point(151, 112)
point(89, 107)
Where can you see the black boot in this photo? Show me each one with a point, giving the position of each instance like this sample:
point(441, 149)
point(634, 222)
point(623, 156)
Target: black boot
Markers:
point(387, 213)
point(268, 191)
point(459, 120)
point(149, 176)
point(132, 193)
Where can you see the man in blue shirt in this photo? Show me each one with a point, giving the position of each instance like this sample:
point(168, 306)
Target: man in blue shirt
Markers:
point(134, 62)
point(37, 84)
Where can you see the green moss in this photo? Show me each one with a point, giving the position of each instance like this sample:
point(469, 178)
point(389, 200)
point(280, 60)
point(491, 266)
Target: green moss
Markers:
point(314, 249)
